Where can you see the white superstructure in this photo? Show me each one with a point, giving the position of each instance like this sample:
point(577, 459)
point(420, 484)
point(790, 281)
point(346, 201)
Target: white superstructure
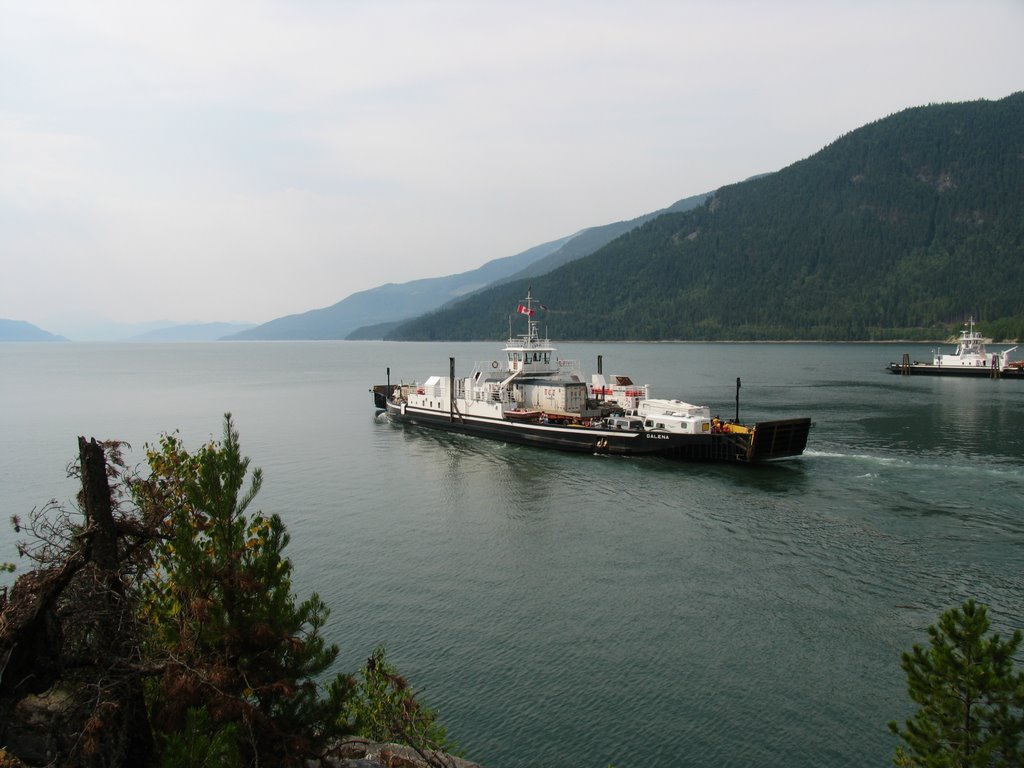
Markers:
point(531, 380)
point(970, 352)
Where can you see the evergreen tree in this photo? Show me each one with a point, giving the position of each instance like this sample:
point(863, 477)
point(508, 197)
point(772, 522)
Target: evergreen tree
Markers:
point(171, 630)
point(970, 696)
point(240, 648)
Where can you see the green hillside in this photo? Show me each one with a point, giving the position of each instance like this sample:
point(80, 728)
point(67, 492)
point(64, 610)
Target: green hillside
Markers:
point(900, 229)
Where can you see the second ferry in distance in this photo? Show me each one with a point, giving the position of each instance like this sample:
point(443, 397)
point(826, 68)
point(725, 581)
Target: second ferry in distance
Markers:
point(970, 359)
point(532, 397)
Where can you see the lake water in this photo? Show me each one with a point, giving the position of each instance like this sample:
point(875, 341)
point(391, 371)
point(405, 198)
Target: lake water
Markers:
point(563, 610)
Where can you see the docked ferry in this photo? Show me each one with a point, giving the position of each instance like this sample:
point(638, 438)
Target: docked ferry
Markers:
point(970, 358)
point(530, 396)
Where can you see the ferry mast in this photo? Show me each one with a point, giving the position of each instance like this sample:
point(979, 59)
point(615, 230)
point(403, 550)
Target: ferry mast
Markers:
point(532, 336)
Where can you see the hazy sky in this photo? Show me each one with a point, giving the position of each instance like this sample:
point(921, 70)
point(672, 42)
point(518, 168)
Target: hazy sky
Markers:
point(240, 161)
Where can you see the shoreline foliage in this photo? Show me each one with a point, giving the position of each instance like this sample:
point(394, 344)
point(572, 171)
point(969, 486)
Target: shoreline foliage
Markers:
point(158, 627)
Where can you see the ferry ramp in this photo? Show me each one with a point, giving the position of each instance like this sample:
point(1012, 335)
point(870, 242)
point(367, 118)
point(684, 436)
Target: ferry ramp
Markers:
point(779, 439)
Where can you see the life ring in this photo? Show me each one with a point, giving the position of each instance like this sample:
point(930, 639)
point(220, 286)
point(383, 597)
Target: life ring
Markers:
point(494, 363)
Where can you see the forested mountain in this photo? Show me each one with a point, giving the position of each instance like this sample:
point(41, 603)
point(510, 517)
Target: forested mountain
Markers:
point(899, 229)
point(590, 240)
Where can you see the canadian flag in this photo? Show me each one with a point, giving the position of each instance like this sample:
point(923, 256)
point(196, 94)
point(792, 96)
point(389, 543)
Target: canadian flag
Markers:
point(524, 310)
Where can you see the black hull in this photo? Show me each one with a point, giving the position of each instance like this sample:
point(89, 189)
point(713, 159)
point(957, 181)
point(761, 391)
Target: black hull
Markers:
point(771, 440)
point(964, 372)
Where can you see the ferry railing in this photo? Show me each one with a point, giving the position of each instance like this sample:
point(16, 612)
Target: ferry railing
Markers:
point(489, 366)
point(493, 395)
point(501, 367)
point(569, 366)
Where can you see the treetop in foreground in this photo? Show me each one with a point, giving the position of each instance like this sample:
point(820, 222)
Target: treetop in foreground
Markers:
point(969, 694)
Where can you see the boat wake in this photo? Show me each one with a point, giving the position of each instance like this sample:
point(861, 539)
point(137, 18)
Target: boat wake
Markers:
point(857, 456)
point(921, 464)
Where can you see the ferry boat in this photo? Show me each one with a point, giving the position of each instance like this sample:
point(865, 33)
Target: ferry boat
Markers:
point(971, 358)
point(530, 396)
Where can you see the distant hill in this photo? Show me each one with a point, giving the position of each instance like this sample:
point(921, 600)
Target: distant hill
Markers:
point(370, 314)
point(899, 229)
point(373, 332)
point(392, 302)
point(87, 326)
point(19, 330)
point(192, 332)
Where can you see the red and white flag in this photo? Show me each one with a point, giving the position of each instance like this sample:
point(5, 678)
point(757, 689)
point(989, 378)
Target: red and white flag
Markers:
point(524, 310)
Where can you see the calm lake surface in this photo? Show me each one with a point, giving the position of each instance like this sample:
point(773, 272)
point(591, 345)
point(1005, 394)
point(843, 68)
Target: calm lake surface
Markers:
point(576, 610)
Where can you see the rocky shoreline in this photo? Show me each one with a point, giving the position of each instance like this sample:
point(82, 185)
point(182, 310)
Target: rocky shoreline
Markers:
point(360, 753)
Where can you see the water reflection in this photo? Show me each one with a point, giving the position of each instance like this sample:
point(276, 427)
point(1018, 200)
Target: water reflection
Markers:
point(521, 477)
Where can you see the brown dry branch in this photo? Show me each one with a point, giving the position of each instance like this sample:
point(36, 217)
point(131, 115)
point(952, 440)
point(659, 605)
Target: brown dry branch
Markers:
point(69, 642)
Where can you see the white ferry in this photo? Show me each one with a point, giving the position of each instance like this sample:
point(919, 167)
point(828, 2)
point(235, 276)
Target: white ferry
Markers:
point(531, 396)
point(971, 358)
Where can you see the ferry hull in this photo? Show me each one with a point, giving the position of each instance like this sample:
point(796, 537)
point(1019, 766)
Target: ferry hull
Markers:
point(769, 441)
point(962, 372)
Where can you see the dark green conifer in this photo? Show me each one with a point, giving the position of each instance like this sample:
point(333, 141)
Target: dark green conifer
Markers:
point(241, 648)
point(970, 696)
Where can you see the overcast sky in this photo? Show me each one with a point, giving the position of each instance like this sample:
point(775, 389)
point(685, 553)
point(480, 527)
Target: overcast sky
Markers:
point(240, 161)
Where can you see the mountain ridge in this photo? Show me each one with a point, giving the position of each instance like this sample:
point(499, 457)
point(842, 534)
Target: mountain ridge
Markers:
point(367, 314)
point(389, 302)
point(897, 229)
point(20, 330)
point(190, 332)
